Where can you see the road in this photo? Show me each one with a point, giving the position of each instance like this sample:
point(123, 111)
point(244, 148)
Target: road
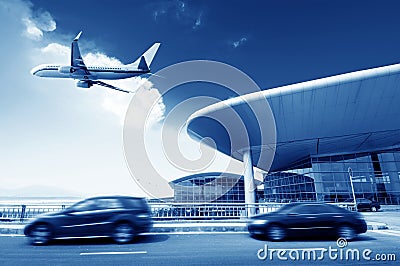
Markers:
point(194, 249)
point(392, 218)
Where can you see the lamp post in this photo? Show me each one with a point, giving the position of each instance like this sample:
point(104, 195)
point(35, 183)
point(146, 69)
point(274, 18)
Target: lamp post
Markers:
point(352, 186)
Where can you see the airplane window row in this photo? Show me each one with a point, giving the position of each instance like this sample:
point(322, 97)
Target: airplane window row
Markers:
point(94, 67)
point(105, 67)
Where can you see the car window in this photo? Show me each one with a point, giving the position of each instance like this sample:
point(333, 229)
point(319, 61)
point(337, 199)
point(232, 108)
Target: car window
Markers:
point(311, 209)
point(335, 209)
point(108, 203)
point(286, 208)
point(136, 203)
point(87, 205)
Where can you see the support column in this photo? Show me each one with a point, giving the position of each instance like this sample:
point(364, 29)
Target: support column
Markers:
point(389, 166)
point(249, 186)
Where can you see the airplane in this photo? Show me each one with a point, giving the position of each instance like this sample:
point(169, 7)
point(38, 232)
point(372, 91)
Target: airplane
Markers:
point(88, 76)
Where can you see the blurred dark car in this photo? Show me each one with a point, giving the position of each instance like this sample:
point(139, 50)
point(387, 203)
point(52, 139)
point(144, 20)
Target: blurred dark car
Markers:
point(118, 217)
point(307, 219)
point(366, 205)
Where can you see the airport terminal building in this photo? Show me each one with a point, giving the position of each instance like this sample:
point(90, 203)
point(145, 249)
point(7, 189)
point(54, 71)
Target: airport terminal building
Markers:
point(334, 135)
point(325, 179)
point(374, 176)
point(209, 187)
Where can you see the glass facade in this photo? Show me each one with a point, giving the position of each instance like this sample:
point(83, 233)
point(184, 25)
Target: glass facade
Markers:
point(288, 186)
point(374, 176)
point(209, 187)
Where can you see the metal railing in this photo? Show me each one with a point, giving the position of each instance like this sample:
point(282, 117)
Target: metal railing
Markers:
point(162, 211)
point(21, 212)
point(207, 211)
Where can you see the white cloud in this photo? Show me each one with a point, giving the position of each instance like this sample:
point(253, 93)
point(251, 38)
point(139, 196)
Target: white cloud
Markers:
point(44, 20)
point(158, 13)
point(182, 12)
point(158, 110)
point(52, 133)
point(36, 22)
point(117, 102)
point(112, 101)
point(239, 42)
point(32, 31)
point(100, 59)
point(56, 49)
point(198, 22)
point(57, 134)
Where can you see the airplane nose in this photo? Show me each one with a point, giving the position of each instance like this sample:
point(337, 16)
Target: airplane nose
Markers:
point(34, 70)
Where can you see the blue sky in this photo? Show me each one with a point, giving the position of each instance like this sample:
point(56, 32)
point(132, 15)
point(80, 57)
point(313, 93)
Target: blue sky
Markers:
point(273, 38)
point(57, 135)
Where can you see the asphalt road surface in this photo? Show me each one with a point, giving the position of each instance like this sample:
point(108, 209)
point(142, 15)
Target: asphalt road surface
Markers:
point(204, 249)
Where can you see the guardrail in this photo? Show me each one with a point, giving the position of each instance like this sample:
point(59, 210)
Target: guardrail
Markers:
point(21, 212)
point(161, 211)
point(206, 211)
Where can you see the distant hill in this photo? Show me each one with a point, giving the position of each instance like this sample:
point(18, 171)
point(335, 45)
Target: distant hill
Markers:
point(38, 191)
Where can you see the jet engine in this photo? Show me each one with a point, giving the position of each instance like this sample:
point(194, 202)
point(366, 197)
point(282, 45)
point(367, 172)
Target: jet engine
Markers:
point(84, 84)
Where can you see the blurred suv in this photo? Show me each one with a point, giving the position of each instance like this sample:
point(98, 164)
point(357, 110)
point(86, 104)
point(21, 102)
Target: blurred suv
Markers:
point(118, 217)
point(307, 219)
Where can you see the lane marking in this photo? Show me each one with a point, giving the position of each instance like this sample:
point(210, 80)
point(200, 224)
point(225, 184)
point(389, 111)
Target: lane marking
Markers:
point(112, 253)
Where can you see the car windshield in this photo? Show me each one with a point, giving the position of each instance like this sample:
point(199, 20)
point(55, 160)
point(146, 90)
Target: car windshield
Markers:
point(85, 205)
point(285, 208)
point(308, 208)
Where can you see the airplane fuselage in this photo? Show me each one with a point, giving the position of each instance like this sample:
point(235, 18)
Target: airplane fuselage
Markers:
point(88, 76)
point(95, 72)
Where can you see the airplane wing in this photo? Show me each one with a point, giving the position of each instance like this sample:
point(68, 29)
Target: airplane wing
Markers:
point(76, 58)
point(98, 82)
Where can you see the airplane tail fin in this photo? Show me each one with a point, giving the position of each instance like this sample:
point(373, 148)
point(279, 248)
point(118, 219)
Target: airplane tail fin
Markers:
point(144, 61)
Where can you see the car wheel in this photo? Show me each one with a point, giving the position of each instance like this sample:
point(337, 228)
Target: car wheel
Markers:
point(373, 209)
point(346, 232)
point(276, 233)
point(123, 233)
point(40, 234)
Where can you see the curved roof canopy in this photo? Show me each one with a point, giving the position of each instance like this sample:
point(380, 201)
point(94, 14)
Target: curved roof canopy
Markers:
point(355, 112)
